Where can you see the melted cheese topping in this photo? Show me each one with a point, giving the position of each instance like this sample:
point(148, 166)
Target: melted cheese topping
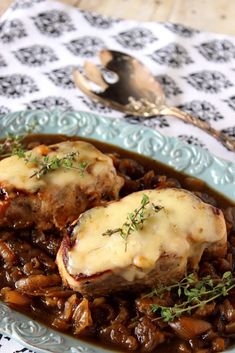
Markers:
point(17, 174)
point(185, 227)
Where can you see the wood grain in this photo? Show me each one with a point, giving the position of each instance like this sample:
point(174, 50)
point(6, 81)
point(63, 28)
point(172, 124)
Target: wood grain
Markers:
point(4, 4)
point(207, 15)
point(135, 9)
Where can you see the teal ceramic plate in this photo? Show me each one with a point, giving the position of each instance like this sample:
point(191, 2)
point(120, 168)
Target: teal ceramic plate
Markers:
point(190, 159)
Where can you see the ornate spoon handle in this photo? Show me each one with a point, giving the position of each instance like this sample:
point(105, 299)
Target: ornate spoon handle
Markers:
point(228, 142)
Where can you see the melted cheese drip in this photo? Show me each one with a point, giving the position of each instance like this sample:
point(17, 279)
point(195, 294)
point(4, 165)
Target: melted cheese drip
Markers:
point(184, 227)
point(16, 174)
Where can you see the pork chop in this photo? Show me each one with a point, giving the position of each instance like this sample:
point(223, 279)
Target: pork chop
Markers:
point(76, 176)
point(99, 256)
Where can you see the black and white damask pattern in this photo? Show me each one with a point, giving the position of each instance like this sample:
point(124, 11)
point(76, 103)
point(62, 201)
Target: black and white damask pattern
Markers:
point(25, 4)
point(86, 46)
point(94, 106)
point(4, 110)
point(35, 55)
point(2, 61)
point(191, 140)
point(135, 38)
point(169, 86)
point(50, 103)
point(230, 131)
point(99, 21)
point(220, 51)
point(153, 122)
point(173, 54)
point(62, 77)
point(181, 30)
point(2, 339)
point(231, 102)
point(201, 109)
point(11, 30)
point(53, 23)
point(208, 81)
point(16, 86)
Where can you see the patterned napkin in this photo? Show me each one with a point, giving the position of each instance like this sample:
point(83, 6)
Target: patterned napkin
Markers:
point(41, 41)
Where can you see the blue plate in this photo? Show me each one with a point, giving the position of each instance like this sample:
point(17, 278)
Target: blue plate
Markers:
point(193, 160)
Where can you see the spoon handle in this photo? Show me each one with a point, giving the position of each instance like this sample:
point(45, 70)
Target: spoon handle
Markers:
point(228, 142)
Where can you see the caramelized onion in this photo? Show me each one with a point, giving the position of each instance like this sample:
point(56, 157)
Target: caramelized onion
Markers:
point(131, 168)
point(102, 311)
point(50, 292)
point(29, 269)
point(144, 304)
point(82, 317)
point(7, 253)
point(180, 347)
point(119, 335)
point(230, 328)
point(37, 281)
point(148, 334)
point(47, 261)
point(60, 324)
point(218, 344)
point(189, 327)
point(16, 298)
point(123, 315)
point(227, 310)
point(205, 310)
point(69, 307)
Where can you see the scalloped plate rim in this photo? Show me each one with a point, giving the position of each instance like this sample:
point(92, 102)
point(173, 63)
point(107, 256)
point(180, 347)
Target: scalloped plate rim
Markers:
point(140, 139)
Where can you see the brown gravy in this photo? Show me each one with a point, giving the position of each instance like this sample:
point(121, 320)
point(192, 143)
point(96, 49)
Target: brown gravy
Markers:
point(186, 182)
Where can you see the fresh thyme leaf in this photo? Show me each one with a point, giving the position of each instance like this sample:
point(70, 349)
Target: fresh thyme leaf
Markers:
point(196, 294)
point(47, 164)
point(109, 232)
point(82, 168)
point(185, 282)
point(134, 220)
point(13, 144)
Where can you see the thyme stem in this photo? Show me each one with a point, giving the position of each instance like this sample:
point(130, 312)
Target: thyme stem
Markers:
point(197, 294)
point(13, 144)
point(134, 221)
point(47, 164)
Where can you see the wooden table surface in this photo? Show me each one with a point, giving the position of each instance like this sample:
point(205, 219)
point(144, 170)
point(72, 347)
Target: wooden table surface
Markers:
point(209, 15)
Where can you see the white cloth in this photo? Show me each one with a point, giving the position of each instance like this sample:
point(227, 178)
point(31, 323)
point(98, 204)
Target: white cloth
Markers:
point(42, 40)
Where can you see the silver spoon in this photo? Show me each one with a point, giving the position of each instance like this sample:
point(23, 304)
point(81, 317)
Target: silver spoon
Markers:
point(135, 91)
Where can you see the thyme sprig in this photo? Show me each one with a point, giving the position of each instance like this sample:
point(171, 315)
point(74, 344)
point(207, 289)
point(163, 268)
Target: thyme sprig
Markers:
point(13, 144)
point(134, 220)
point(196, 293)
point(47, 164)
